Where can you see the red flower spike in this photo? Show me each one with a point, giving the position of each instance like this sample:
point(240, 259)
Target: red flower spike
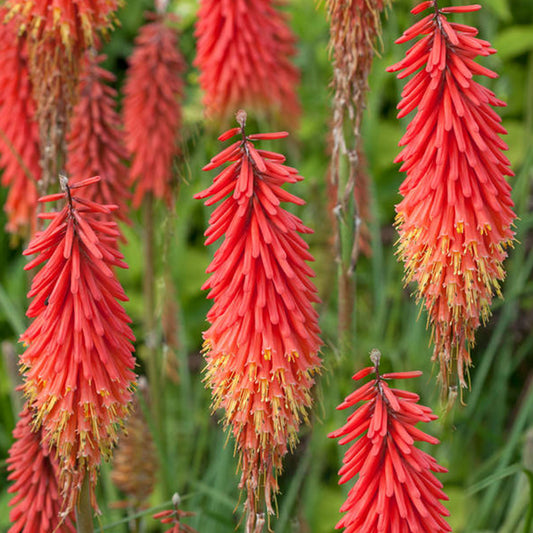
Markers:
point(152, 110)
point(19, 134)
point(244, 52)
point(36, 505)
point(396, 491)
point(261, 347)
point(74, 23)
point(455, 220)
point(78, 362)
point(95, 144)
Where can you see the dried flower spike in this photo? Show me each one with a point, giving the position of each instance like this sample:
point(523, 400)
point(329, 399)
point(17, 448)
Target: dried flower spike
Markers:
point(19, 133)
point(355, 26)
point(78, 362)
point(95, 144)
point(244, 57)
point(455, 220)
point(261, 348)
point(34, 471)
point(152, 109)
point(396, 490)
point(135, 457)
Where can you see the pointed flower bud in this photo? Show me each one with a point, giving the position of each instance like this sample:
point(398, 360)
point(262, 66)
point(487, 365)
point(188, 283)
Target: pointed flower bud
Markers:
point(95, 145)
point(174, 517)
point(396, 490)
point(261, 348)
point(455, 220)
point(78, 362)
point(152, 108)
point(36, 504)
point(244, 57)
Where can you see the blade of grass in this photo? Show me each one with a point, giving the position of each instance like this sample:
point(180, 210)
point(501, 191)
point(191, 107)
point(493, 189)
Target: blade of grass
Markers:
point(11, 312)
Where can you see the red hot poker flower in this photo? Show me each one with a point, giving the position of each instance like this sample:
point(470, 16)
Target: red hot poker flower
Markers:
point(152, 110)
point(244, 57)
point(58, 32)
point(74, 23)
point(19, 133)
point(78, 361)
point(261, 348)
point(456, 216)
point(34, 471)
point(396, 491)
point(95, 145)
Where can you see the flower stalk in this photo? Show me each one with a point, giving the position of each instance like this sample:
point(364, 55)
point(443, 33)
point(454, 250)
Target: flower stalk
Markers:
point(354, 29)
point(84, 509)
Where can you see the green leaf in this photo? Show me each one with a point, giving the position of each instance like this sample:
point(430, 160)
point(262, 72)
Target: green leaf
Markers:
point(514, 41)
point(500, 8)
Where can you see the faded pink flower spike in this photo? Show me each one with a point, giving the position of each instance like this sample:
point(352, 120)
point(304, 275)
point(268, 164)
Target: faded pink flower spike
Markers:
point(455, 220)
point(396, 490)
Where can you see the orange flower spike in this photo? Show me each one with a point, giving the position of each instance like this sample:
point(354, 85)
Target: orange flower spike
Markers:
point(75, 23)
point(78, 361)
point(19, 134)
point(95, 144)
point(244, 53)
point(261, 347)
point(36, 504)
point(396, 490)
point(455, 220)
point(152, 109)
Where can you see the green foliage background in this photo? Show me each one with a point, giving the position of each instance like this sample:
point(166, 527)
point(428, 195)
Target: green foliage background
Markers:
point(487, 441)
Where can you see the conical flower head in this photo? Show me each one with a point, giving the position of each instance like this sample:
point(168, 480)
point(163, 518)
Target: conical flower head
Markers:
point(19, 133)
point(34, 471)
point(455, 220)
point(396, 490)
point(244, 52)
point(261, 347)
point(152, 108)
point(78, 362)
point(95, 144)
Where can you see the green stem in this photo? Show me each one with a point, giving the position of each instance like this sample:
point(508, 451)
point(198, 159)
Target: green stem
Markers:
point(153, 362)
point(84, 509)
